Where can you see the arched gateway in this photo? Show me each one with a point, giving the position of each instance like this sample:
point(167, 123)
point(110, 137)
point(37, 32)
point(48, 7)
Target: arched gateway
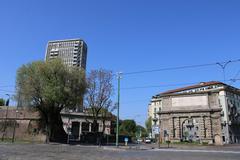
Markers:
point(190, 130)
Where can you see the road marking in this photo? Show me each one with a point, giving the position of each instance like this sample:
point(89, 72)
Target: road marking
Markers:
point(201, 151)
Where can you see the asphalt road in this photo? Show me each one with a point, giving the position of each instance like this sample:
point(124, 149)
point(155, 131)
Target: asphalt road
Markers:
point(65, 152)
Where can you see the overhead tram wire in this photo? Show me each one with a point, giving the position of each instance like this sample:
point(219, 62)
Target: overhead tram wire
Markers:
point(166, 85)
point(179, 68)
point(155, 86)
point(234, 79)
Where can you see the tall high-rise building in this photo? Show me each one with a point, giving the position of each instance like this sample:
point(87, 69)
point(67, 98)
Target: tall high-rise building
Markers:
point(73, 52)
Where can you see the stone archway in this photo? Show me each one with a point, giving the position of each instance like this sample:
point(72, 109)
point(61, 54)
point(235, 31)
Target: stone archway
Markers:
point(190, 130)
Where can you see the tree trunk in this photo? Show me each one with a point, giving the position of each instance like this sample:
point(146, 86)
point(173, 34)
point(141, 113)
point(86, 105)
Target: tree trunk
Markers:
point(54, 128)
point(57, 133)
point(95, 130)
point(47, 133)
point(103, 130)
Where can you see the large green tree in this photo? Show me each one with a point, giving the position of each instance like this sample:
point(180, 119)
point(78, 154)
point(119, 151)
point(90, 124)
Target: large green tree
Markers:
point(128, 127)
point(2, 102)
point(141, 132)
point(50, 87)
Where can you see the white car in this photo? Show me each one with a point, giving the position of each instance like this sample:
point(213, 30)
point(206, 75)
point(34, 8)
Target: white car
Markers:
point(147, 140)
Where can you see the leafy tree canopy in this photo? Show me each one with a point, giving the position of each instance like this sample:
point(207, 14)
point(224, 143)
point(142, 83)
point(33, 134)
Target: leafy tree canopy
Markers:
point(2, 102)
point(148, 124)
point(50, 87)
point(141, 131)
point(128, 127)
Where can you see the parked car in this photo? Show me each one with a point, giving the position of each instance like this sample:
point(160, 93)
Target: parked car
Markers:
point(147, 140)
point(139, 140)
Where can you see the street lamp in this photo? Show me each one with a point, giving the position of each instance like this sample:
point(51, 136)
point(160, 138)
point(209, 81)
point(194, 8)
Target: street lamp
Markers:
point(138, 134)
point(5, 124)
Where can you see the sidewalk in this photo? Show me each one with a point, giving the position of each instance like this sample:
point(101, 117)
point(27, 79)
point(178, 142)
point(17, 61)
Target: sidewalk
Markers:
point(231, 147)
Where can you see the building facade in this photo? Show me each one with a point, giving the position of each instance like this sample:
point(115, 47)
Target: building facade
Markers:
point(78, 124)
point(207, 112)
point(73, 52)
point(23, 124)
point(153, 108)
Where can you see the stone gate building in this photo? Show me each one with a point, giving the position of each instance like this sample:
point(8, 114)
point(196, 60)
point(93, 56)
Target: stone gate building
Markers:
point(207, 113)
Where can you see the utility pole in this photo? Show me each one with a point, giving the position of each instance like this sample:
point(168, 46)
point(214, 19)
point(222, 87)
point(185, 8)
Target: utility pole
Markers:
point(118, 106)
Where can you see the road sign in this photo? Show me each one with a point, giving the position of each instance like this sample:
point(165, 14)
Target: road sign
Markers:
point(155, 130)
point(126, 141)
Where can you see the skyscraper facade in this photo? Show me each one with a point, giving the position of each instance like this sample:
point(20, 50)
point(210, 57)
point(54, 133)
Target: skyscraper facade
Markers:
point(73, 52)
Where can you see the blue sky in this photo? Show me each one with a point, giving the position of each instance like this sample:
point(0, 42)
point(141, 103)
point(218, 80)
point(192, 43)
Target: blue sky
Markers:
point(126, 36)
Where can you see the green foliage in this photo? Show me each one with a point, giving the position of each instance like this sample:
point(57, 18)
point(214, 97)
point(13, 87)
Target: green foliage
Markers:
point(50, 87)
point(50, 84)
point(148, 125)
point(128, 127)
point(2, 102)
point(141, 131)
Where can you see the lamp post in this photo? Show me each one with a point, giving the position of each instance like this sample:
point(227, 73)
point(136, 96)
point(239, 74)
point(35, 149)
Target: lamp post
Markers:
point(118, 106)
point(5, 123)
point(138, 136)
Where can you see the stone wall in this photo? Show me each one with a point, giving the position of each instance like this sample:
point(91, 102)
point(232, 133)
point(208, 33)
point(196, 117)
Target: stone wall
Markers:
point(21, 124)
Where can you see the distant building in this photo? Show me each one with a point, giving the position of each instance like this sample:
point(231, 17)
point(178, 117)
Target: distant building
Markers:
point(153, 108)
point(207, 112)
point(73, 52)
